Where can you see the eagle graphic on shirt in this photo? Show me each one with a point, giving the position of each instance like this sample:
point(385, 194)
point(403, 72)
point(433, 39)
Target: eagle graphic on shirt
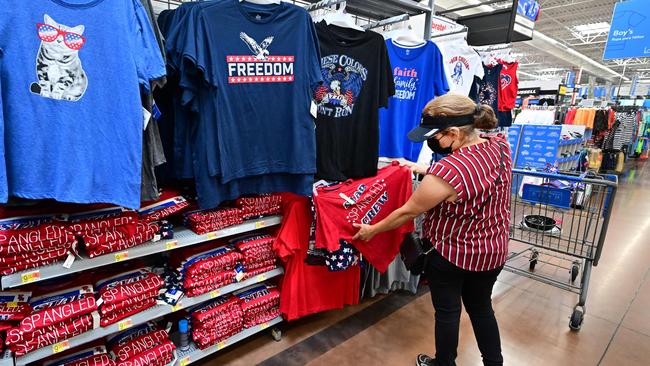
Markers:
point(340, 89)
point(260, 51)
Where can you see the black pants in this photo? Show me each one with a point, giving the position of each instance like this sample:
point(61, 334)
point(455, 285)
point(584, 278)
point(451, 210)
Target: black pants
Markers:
point(449, 284)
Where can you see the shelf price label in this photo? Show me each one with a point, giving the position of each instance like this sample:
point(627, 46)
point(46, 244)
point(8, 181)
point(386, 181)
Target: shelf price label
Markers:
point(261, 278)
point(260, 224)
point(12, 304)
point(171, 245)
point(215, 294)
point(221, 345)
point(119, 257)
point(185, 361)
point(60, 347)
point(125, 324)
point(177, 307)
point(211, 236)
point(30, 277)
point(264, 326)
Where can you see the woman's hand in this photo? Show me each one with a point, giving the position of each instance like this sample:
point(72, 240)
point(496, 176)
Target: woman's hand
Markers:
point(366, 232)
point(417, 168)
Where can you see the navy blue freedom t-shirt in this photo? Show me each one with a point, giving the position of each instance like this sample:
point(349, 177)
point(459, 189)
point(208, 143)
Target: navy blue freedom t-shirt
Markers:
point(72, 112)
point(263, 62)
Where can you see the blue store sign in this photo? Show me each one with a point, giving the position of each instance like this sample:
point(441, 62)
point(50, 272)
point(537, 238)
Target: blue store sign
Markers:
point(629, 35)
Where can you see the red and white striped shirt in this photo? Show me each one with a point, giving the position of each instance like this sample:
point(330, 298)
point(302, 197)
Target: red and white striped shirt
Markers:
point(477, 243)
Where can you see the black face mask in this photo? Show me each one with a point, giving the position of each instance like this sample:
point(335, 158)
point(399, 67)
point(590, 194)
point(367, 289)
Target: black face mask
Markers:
point(434, 145)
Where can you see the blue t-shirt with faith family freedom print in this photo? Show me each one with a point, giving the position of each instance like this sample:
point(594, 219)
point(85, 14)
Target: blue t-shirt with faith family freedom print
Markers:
point(419, 76)
point(72, 112)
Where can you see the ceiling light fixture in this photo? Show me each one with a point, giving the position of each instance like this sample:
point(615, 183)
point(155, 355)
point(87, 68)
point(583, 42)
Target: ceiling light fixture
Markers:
point(591, 28)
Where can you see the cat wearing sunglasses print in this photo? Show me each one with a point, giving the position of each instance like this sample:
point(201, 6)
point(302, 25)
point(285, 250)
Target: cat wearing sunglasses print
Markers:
point(58, 66)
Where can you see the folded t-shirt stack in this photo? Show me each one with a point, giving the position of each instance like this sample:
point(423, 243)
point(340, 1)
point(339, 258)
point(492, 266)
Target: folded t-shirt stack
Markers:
point(203, 222)
point(148, 346)
point(94, 356)
point(111, 230)
point(127, 294)
point(14, 307)
point(169, 204)
point(54, 318)
point(261, 205)
point(259, 303)
point(216, 321)
point(27, 242)
point(207, 270)
point(258, 253)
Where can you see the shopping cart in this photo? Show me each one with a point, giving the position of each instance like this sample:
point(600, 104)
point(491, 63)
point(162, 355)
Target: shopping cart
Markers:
point(560, 223)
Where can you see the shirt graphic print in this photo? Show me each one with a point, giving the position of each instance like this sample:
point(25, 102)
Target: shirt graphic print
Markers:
point(58, 66)
point(343, 78)
point(260, 67)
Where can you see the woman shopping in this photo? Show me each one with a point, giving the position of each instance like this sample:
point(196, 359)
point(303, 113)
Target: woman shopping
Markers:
point(466, 199)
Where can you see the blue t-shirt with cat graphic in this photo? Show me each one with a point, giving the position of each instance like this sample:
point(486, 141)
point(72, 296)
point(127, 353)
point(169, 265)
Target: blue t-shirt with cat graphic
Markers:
point(72, 112)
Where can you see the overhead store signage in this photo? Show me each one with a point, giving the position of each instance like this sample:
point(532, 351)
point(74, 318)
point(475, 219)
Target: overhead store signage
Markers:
point(635, 83)
point(528, 91)
point(529, 9)
point(629, 35)
point(570, 79)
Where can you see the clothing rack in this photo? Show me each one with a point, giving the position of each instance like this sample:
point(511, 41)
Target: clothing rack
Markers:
point(502, 46)
point(464, 29)
point(324, 4)
point(388, 21)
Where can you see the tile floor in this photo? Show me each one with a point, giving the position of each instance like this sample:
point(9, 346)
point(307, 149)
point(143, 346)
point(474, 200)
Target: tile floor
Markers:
point(533, 317)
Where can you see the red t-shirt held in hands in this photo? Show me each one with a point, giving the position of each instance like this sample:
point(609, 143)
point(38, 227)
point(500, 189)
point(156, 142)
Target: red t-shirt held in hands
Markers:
point(366, 201)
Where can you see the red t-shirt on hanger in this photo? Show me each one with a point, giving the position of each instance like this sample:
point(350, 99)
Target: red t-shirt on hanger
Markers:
point(509, 86)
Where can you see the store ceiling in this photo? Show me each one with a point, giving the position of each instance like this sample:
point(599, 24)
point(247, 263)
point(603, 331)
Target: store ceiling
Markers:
point(581, 25)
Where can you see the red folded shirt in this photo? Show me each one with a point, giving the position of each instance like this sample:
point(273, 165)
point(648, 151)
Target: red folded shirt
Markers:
point(257, 319)
point(46, 232)
point(61, 331)
point(249, 274)
point(87, 227)
point(94, 360)
point(96, 239)
point(14, 311)
point(151, 282)
point(217, 280)
point(115, 317)
point(140, 344)
point(132, 301)
point(124, 243)
point(221, 262)
point(154, 356)
point(57, 314)
point(17, 249)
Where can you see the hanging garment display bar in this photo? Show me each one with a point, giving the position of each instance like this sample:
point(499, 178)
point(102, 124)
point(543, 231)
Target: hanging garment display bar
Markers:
point(464, 29)
point(472, 6)
point(389, 21)
point(324, 4)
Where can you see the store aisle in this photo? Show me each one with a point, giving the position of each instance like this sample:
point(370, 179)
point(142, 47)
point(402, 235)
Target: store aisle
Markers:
point(533, 316)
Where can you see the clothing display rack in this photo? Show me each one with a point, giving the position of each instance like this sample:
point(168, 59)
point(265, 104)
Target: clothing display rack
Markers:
point(377, 13)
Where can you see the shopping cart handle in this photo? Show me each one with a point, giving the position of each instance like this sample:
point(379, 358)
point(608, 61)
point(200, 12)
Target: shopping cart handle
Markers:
point(605, 179)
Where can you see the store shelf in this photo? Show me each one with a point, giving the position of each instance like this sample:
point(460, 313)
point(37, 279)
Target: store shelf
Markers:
point(6, 359)
point(194, 353)
point(140, 318)
point(183, 237)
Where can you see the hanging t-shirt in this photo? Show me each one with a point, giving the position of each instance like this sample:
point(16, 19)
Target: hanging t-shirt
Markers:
point(73, 117)
point(263, 61)
point(488, 88)
point(374, 199)
point(308, 289)
point(462, 64)
point(509, 86)
point(357, 81)
point(419, 76)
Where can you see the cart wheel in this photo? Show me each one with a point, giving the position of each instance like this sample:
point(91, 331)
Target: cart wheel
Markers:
point(575, 269)
point(576, 319)
point(533, 260)
point(277, 334)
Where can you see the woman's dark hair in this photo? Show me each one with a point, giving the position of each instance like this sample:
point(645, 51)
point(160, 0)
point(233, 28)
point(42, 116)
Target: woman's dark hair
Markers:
point(454, 105)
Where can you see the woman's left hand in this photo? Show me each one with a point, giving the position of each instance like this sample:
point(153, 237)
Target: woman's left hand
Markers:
point(366, 232)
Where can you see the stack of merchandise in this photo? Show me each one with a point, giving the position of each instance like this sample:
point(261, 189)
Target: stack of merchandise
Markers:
point(260, 304)
point(14, 307)
point(216, 321)
point(262, 205)
point(258, 254)
point(110, 230)
point(169, 203)
point(30, 242)
point(207, 270)
point(95, 356)
point(144, 345)
point(127, 294)
point(203, 222)
point(54, 318)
